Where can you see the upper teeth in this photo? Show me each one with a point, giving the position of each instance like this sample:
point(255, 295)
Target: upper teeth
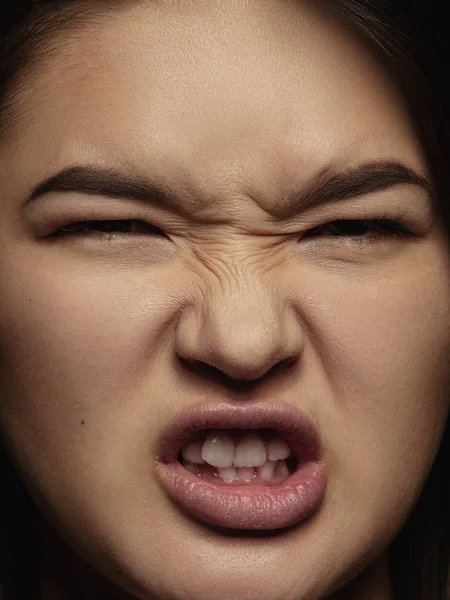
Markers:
point(221, 450)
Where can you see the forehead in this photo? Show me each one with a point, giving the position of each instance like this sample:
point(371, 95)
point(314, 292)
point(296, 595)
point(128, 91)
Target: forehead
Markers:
point(267, 89)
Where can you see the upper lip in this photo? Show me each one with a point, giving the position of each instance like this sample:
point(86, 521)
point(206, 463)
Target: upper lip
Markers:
point(294, 426)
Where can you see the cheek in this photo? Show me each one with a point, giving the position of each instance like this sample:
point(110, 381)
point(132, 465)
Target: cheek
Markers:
point(84, 344)
point(384, 332)
point(76, 342)
point(87, 336)
point(384, 345)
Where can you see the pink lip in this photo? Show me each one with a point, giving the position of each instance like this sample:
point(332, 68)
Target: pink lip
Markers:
point(244, 506)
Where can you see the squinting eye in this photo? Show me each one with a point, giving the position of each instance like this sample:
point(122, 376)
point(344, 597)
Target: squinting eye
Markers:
point(107, 229)
point(110, 229)
point(379, 228)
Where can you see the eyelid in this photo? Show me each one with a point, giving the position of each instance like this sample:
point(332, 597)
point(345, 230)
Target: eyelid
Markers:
point(43, 219)
point(409, 217)
point(47, 217)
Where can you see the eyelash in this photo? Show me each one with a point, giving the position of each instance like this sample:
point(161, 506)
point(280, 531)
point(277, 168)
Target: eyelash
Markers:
point(384, 226)
point(86, 228)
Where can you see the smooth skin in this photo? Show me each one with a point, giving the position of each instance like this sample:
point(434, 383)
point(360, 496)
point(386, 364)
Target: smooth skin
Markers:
point(231, 106)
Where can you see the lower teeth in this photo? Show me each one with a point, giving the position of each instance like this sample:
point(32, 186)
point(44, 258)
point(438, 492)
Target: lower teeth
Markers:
point(272, 472)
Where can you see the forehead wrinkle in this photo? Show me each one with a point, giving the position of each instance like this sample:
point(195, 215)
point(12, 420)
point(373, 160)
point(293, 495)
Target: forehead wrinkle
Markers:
point(54, 38)
point(212, 199)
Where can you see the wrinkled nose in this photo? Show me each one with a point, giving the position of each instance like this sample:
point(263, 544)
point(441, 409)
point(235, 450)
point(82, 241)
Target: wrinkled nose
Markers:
point(242, 343)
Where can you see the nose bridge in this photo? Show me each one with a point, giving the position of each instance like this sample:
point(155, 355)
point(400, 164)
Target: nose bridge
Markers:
point(243, 328)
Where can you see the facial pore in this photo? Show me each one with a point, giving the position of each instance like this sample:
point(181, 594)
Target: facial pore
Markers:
point(231, 106)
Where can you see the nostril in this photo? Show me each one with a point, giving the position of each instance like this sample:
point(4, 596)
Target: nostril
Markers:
point(210, 371)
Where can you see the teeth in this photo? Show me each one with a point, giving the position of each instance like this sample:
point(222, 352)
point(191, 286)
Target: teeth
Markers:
point(193, 452)
point(250, 451)
point(227, 474)
point(245, 473)
point(221, 449)
point(281, 469)
point(267, 470)
point(218, 449)
point(277, 449)
point(191, 467)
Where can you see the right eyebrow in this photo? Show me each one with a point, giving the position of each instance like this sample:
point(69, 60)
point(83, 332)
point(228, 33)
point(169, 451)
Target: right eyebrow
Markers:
point(361, 180)
point(109, 182)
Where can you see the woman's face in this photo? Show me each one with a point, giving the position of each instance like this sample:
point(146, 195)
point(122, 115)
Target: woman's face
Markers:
point(233, 108)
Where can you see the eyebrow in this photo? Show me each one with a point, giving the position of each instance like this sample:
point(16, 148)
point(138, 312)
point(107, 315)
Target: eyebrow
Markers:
point(363, 179)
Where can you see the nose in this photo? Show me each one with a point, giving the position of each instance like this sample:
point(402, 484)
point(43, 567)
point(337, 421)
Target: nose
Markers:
point(242, 341)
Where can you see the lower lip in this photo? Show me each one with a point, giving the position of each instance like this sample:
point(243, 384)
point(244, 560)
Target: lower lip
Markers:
point(246, 506)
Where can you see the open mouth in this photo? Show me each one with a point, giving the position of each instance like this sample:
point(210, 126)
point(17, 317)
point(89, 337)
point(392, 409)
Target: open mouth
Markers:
point(239, 457)
point(254, 465)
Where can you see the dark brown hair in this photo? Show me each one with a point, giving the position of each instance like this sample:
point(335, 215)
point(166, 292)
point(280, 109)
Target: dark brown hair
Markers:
point(411, 39)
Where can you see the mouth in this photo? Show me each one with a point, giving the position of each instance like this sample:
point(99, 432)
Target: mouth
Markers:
point(237, 457)
point(253, 465)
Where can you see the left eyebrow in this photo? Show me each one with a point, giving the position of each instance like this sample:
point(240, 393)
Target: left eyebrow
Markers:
point(363, 179)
